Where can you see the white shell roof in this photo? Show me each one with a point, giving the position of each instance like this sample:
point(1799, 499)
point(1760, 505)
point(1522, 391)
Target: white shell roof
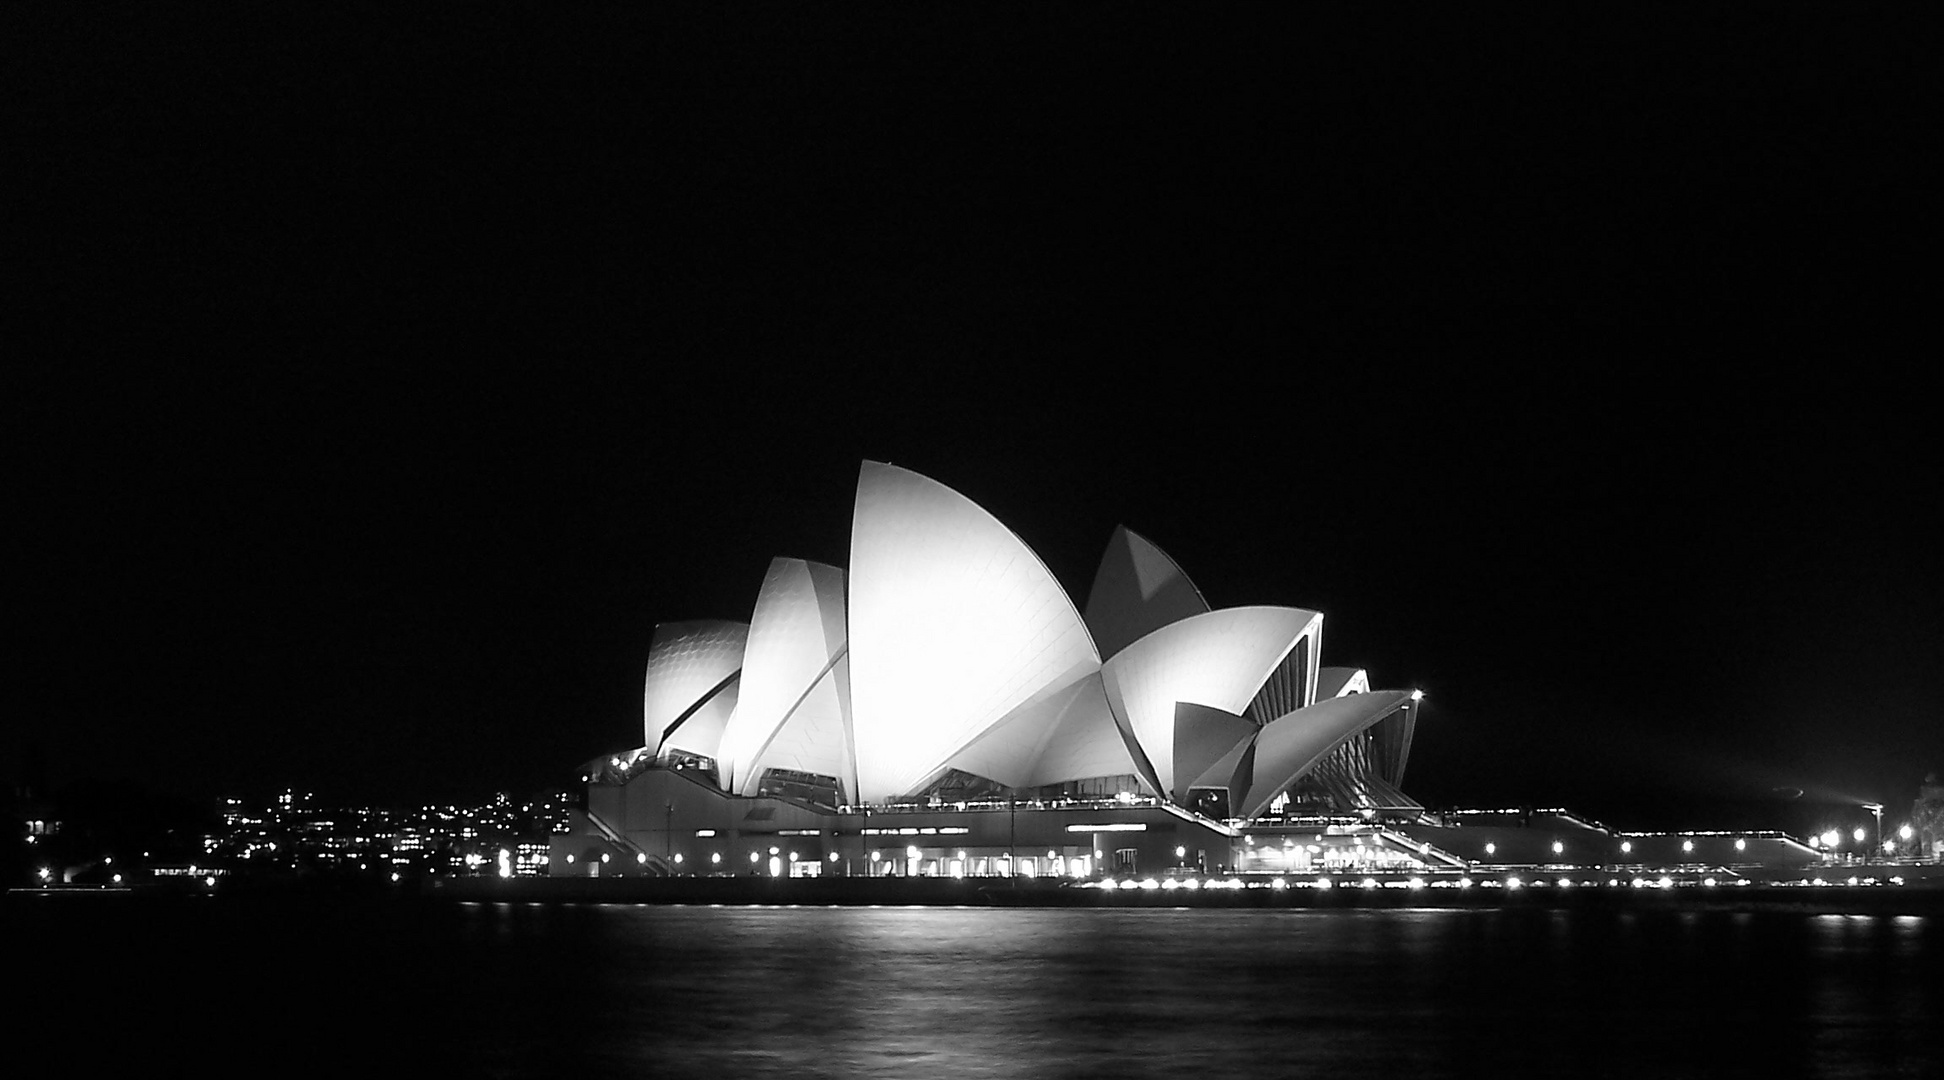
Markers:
point(1137, 590)
point(687, 661)
point(954, 622)
point(949, 644)
point(1291, 745)
point(1218, 659)
point(1064, 734)
point(789, 713)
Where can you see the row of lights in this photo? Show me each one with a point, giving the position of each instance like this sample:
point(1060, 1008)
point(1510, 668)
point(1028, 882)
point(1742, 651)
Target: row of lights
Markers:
point(715, 858)
point(46, 876)
point(1511, 882)
point(1828, 839)
point(1626, 847)
point(1832, 837)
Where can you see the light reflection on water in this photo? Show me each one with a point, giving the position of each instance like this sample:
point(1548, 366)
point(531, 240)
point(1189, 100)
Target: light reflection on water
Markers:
point(436, 989)
point(975, 992)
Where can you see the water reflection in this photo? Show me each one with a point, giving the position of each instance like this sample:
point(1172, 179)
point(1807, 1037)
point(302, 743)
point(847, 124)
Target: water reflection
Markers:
point(976, 992)
point(736, 992)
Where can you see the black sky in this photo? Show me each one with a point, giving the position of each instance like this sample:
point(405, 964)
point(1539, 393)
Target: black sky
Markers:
point(383, 373)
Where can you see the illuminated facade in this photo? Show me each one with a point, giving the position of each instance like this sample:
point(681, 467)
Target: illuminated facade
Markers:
point(945, 674)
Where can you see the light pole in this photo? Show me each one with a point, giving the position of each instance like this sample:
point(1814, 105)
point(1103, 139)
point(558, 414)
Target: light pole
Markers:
point(1012, 837)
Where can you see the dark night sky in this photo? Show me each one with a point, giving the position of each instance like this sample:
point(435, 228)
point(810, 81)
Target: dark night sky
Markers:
point(383, 373)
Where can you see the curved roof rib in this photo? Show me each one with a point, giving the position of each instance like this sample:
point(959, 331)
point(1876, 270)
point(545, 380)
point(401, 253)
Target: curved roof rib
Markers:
point(1291, 745)
point(789, 713)
point(699, 729)
point(689, 668)
point(954, 622)
point(815, 736)
point(1293, 684)
point(1391, 742)
point(1137, 590)
point(1218, 659)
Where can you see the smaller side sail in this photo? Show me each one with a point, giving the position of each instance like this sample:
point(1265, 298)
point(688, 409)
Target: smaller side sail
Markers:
point(1203, 736)
point(1293, 744)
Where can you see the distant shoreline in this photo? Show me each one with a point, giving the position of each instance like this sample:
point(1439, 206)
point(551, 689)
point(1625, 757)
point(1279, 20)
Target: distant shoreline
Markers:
point(1922, 893)
point(1916, 897)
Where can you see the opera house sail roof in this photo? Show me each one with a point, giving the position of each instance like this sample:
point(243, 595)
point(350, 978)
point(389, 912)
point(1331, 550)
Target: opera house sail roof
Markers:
point(947, 650)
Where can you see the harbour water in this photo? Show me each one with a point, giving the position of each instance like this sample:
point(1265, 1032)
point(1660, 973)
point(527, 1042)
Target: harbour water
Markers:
point(485, 989)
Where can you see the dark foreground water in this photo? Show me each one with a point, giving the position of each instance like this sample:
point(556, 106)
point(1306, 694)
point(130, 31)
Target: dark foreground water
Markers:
point(263, 988)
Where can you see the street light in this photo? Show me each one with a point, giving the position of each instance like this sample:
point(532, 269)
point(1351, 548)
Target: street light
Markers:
point(863, 838)
point(1877, 809)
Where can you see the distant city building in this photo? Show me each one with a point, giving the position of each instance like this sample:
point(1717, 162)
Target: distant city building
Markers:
point(1927, 819)
point(297, 833)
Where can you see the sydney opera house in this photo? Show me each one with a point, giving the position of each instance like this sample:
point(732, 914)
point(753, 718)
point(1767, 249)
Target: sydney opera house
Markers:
point(941, 706)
